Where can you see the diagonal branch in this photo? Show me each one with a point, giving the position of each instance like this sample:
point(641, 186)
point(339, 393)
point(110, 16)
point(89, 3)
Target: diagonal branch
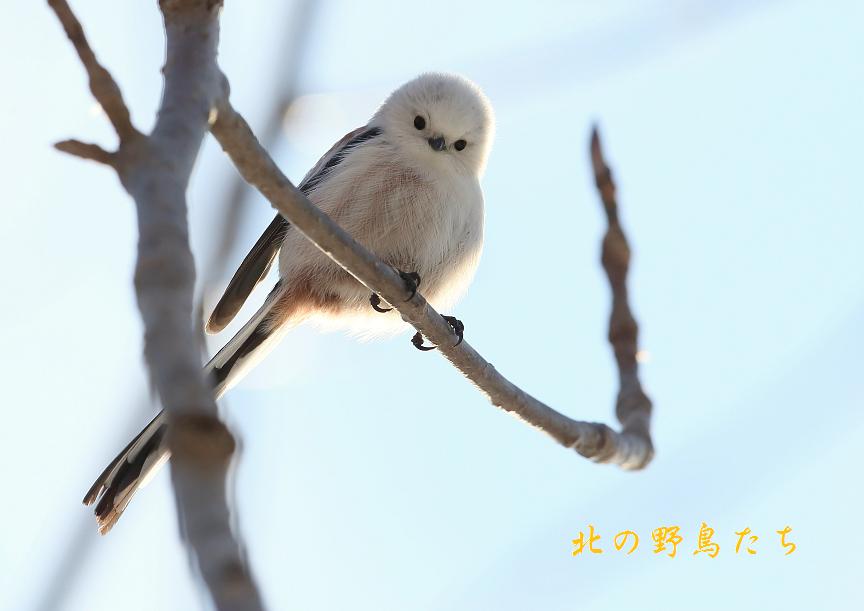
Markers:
point(155, 171)
point(631, 448)
point(102, 84)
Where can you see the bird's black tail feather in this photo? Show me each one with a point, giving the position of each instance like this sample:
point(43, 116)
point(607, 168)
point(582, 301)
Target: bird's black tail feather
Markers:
point(140, 459)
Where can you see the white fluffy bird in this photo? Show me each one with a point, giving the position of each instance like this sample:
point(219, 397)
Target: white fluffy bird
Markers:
point(406, 186)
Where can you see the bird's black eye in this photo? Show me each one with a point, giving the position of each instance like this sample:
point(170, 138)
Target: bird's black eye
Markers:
point(419, 122)
point(459, 145)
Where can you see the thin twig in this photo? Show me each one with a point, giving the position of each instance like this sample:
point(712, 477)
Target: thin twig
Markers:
point(631, 449)
point(85, 150)
point(102, 84)
point(155, 170)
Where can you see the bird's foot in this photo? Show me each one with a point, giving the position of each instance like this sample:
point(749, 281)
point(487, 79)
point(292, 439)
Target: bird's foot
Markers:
point(458, 329)
point(412, 282)
point(375, 300)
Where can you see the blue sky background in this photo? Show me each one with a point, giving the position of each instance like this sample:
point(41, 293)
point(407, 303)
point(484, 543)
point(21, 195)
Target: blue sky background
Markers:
point(375, 477)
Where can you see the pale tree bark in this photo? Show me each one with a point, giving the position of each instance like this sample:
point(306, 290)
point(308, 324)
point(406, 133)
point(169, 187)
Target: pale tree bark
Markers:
point(155, 170)
point(232, 208)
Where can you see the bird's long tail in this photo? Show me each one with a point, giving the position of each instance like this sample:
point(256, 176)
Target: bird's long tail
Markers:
point(139, 460)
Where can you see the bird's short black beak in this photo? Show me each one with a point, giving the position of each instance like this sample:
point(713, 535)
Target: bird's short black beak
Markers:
point(437, 143)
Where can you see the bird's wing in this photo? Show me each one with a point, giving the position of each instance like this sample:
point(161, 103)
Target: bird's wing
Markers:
point(336, 154)
point(257, 263)
point(251, 271)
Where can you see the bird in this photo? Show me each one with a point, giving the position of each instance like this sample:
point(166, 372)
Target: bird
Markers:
point(407, 187)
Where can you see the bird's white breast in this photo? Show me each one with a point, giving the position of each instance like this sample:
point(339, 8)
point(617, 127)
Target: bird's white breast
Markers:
point(428, 221)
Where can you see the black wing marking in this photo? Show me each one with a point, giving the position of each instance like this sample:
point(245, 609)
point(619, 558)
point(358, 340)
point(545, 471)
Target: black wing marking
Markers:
point(364, 135)
point(257, 263)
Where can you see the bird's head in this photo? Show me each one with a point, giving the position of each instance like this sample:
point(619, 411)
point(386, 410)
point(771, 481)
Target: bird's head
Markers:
point(440, 120)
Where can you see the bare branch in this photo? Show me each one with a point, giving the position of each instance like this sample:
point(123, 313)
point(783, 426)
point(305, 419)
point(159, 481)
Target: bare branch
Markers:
point(631, 449)
point(633, 408)
point(155, 170)
point(102, 84)
point(85, 150)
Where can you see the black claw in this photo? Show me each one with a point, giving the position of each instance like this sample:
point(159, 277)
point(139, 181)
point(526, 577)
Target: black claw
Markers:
point(375, 300)
point(458, 329)
point(417, 340)
point(412, 279)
